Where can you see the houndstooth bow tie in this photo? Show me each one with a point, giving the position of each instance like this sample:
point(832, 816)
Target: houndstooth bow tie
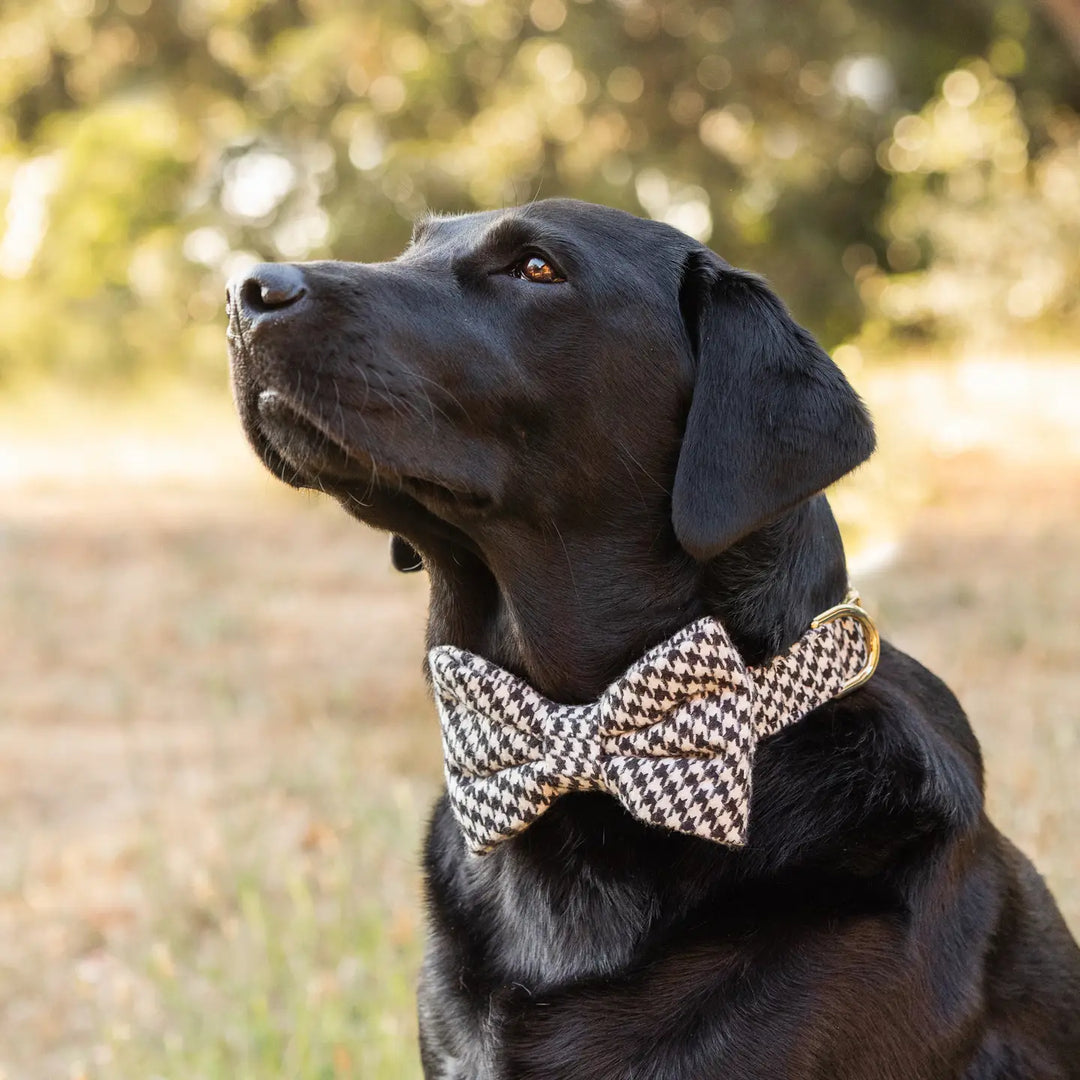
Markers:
point(673, 739)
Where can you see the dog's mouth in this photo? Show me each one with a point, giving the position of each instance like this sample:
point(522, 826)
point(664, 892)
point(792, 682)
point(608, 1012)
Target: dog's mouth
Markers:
point(312, 452)
point(288, 437)
point(309, 445)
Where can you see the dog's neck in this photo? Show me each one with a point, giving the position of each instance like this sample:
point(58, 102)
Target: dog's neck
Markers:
point(569, 625)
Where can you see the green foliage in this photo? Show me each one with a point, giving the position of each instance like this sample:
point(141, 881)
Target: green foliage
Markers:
point(149, 149)
point(984, 240)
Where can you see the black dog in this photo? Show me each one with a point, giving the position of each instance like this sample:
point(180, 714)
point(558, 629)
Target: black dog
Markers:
point(593, 431)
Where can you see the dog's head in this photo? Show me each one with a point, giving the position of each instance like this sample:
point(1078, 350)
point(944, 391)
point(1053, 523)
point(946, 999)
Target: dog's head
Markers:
point(561, 369)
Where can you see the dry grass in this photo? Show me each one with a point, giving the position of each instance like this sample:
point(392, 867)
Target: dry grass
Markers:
point(216, 754)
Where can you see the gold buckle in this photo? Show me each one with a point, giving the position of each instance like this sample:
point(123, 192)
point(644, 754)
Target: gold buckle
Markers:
point(851, 606)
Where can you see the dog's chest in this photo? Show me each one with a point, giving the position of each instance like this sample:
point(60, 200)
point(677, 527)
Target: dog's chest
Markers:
point(533, 938)
point(542, 936)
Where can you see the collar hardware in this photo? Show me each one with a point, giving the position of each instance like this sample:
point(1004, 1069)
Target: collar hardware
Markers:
point(852, 608)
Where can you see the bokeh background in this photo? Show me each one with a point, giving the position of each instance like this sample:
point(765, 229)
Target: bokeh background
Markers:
point(215, 751)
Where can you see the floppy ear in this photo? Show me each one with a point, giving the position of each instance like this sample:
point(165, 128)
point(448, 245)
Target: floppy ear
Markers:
point(772, 420)
point(403, 556)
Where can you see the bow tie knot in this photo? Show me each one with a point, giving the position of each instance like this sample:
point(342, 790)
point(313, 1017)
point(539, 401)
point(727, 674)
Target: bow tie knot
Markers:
point(672, 739)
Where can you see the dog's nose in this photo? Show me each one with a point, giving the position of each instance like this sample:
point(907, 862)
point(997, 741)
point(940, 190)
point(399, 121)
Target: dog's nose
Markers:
point(266, 288)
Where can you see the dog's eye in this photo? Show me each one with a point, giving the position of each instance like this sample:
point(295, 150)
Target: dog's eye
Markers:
point(537, 268)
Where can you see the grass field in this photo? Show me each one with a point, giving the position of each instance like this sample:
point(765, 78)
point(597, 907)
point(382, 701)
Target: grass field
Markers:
point(216, 753)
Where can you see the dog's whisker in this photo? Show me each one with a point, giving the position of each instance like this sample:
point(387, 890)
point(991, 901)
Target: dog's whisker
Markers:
point(624, 450)
point(631, 473)
point(419, 376)
point(343, 427)
point(566, 552)
point(432, 407)
point(388, 395)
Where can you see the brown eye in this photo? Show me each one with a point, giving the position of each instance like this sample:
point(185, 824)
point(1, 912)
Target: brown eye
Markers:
point(536, 268)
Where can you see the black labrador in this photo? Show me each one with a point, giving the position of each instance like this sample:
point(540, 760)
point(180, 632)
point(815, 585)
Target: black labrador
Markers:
point(591, 430)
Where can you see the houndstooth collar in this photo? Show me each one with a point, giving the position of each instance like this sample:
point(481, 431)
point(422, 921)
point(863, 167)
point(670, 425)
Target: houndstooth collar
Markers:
point(673, 739)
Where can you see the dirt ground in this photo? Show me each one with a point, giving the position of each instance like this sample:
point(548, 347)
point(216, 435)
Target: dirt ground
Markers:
point(208, 682)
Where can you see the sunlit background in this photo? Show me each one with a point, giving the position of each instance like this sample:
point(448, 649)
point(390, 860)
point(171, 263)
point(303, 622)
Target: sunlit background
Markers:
point(215, 749)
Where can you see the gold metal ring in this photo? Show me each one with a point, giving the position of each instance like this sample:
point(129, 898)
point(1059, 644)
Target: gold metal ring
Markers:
point(851, 607)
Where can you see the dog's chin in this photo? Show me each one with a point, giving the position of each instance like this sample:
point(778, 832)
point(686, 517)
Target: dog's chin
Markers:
point(299, 449)
point(311, 456)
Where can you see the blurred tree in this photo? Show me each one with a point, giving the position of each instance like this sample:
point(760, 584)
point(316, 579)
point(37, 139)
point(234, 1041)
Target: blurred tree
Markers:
point(149, 148)
point(980, 237)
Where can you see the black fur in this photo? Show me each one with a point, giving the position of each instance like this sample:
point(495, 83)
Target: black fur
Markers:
point(584, 468)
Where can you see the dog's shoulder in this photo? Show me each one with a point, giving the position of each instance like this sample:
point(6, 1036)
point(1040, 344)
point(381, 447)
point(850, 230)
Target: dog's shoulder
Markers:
point(863, 777)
